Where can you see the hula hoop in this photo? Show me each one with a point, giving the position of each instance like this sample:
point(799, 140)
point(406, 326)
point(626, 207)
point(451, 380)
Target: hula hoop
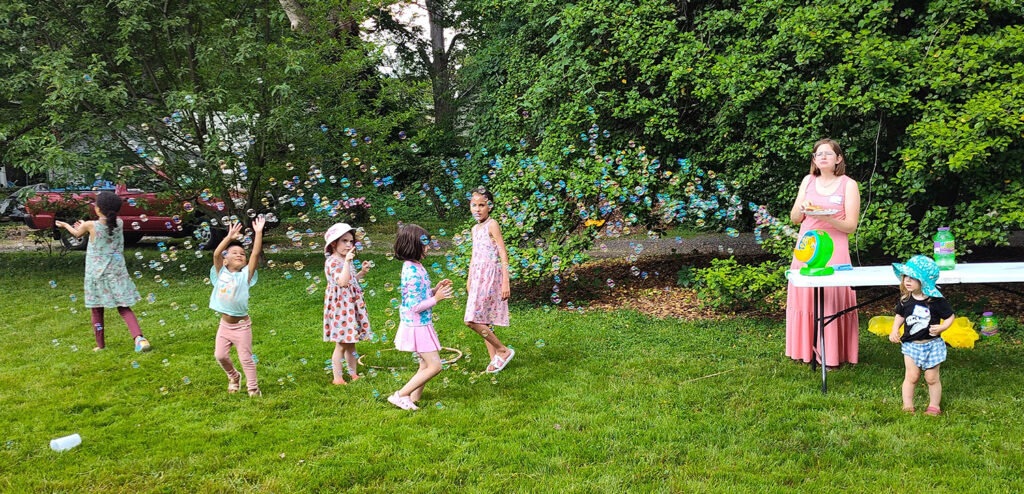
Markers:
point(456, 351)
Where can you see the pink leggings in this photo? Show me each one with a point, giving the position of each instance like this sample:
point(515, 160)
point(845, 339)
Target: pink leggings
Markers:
point(126, 314)
point(239, 335)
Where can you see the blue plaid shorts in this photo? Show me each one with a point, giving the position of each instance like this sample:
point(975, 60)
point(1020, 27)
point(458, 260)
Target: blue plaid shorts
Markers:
point(926, 355)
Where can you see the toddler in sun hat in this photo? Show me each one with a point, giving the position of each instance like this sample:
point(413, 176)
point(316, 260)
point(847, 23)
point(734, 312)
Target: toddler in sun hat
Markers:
point(925, 314)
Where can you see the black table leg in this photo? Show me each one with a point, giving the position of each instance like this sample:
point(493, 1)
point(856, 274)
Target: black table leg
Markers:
point(819, 317)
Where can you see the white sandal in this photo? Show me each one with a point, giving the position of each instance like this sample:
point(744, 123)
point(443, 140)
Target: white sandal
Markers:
point(500, 363)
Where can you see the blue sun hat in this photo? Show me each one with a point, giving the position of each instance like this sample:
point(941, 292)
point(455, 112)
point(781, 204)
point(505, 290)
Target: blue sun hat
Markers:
point(923, 269)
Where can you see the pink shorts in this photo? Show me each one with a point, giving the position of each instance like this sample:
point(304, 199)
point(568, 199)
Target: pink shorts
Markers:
point(420, 338)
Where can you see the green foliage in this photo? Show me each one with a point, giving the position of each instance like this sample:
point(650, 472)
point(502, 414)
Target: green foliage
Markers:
point(201, 101)
point(925, 98)
point(730, 286)
point(686, 277)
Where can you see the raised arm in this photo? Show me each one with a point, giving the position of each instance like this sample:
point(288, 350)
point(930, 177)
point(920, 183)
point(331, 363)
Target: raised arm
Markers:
point(78, 229)
point(495, 232)
point(218, 253)
point(257, 245)
point(345, 275)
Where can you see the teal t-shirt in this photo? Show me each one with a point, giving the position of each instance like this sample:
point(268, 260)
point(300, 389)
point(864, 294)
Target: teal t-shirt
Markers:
point(231, 290)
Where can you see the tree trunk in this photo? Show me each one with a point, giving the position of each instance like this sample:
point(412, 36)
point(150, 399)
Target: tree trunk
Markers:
point(440, 72)
point(296, 15)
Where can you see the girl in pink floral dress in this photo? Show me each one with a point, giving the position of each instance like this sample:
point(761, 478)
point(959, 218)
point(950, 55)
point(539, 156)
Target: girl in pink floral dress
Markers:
point(345, 321)
point(488, 281)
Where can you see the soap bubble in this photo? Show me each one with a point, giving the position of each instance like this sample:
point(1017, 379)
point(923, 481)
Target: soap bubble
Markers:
point(151, 298)
point(540, 343)
point(53, 284)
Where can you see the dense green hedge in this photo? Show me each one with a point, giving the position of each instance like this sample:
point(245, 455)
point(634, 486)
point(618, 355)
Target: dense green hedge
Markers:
point(927, 98)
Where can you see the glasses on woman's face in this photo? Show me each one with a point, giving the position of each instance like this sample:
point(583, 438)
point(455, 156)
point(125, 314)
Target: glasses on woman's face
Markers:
point(823, 154)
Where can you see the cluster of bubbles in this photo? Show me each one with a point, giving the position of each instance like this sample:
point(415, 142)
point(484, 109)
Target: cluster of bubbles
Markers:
point(630, 188)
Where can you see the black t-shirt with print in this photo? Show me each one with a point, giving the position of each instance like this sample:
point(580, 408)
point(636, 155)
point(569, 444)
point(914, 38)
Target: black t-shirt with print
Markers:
point(919, 315)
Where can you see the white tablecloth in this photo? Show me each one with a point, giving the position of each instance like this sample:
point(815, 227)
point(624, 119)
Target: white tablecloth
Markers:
point(986, 272)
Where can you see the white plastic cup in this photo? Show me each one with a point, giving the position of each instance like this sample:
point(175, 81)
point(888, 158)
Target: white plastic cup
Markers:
point(65, 443)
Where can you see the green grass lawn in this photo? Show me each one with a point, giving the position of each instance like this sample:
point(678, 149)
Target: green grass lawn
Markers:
point(611, 401)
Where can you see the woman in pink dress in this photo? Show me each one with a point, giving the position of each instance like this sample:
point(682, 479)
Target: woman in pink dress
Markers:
point(826, 187)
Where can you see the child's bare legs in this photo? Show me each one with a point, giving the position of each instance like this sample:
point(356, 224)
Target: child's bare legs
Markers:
point(931, 376)
point(349, 351)
point(494, 345)
point(339, 350)
point(430, 366)
point(910, 382)
point(418, 392)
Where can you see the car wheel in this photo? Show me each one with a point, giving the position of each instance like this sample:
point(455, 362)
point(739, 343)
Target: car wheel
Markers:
point(71, 243)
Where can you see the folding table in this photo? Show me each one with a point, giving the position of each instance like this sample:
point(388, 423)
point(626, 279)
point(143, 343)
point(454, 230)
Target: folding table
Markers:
point(990, 272)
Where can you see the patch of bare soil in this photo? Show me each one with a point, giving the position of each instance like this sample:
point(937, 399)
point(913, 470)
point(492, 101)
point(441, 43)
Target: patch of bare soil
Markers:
point(660, 296)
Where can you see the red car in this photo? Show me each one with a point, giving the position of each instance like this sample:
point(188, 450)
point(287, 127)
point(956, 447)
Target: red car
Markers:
point(143, 213)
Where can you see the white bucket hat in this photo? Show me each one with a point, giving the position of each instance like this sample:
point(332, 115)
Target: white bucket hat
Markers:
point(334, 233)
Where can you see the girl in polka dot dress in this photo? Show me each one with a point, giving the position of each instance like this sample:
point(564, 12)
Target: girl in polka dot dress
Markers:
point(345, 321)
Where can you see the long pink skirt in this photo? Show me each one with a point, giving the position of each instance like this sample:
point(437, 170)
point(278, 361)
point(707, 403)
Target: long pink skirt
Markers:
point(840, 335)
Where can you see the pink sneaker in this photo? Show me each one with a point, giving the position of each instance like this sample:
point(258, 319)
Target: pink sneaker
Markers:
point(400, 401)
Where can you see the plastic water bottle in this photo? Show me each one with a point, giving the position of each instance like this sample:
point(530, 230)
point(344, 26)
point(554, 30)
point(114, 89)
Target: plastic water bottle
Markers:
point(989, 326)
point(65, 443)
point(945, 249)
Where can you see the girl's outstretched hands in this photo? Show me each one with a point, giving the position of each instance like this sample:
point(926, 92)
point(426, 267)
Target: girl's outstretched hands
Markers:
point(234, 230)
point(350, 256)
point(258, 224)
point(443, 289)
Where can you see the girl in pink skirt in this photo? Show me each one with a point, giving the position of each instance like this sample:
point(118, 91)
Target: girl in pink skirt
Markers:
point(416, 328)
point(826, 187)
point(488, 281)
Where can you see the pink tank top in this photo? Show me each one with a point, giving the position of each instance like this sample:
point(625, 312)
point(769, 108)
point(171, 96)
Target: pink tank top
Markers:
point(835, 200)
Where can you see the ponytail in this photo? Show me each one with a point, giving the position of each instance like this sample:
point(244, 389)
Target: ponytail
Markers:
point(109, 204)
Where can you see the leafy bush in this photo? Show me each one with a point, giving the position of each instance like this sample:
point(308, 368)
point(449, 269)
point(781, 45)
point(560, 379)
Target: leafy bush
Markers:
point(925, 97)
point(731, 286)
point(686, 277)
